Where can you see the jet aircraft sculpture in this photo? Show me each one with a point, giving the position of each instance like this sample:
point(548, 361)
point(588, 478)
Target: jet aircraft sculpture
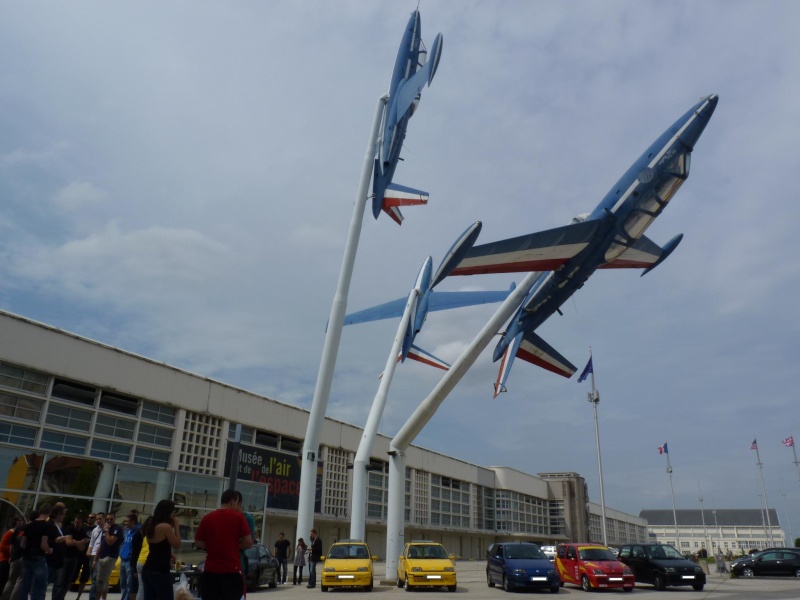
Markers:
point(611, 236)
point(412, 70)
point(428, 300)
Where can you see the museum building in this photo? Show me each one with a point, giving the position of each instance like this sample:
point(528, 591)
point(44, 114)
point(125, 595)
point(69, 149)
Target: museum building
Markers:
point(106, 430)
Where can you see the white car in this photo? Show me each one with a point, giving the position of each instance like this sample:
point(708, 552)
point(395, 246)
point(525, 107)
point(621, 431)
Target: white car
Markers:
point(549, 552)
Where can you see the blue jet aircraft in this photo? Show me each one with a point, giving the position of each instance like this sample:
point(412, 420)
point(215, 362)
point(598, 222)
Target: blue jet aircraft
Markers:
point(428, 300)
point(611, 237)
point(411, 72)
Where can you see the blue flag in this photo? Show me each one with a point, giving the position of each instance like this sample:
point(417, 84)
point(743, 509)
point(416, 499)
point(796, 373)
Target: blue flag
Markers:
point(587, 370)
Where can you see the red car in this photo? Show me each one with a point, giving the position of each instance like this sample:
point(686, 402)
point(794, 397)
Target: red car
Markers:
point(592, 567)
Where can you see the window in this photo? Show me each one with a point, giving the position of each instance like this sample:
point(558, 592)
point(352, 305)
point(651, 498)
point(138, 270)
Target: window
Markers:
point(62, 442)
point(247, 434)
point(291, 445)
point(270, 440)
point(69, 418)
point(18, 378)
point(118, 403)
point(73, 392)
point(17, 434)
point(157, 436)
point(156, 412)
point(112, 426)
point(112, 450)
point(17, 407)
point(153, 458)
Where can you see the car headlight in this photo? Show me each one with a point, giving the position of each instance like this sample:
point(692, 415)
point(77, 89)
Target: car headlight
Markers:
point(330, 569)
point(449, 569)
point(598, 571)
point(552, 573)
point(361, 569)
point(518, 572)
point(670, 569)
point(416, 569)
point(698, 570)
point(627, 571)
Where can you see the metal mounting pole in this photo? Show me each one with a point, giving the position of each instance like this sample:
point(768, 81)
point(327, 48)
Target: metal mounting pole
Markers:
point(330, 349)
point(594, 398)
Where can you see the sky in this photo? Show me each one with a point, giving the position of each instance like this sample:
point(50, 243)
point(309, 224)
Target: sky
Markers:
point(177, 180)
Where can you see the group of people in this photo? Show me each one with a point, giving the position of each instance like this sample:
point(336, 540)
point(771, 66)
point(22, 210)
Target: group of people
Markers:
point(44, 549)
point(303, 555)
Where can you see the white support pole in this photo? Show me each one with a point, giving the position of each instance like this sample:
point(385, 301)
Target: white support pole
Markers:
point(594, 398)
point(330, 349)
point(427, 409)
point(359, 495)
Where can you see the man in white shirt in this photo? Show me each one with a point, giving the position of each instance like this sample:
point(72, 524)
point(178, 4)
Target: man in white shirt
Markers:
point(91, 551)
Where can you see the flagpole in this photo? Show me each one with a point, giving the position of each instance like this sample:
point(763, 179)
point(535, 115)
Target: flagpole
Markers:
point(672, 492)
point(786, 510)
point(763, 491)
point(594, 398)
point(796, 464)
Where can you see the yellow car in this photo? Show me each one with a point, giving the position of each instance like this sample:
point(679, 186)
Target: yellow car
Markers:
point(113, 580)
point(426, 564)
point(348, 564)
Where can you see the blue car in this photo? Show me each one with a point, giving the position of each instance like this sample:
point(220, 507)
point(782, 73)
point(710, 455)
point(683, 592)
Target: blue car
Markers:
point(520, 565)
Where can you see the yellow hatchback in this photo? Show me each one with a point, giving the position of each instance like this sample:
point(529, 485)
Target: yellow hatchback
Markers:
point(426, 564)
point(348, 564)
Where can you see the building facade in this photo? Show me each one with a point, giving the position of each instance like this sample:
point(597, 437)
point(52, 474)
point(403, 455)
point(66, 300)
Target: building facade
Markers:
point(104, 429)
point(730, 530)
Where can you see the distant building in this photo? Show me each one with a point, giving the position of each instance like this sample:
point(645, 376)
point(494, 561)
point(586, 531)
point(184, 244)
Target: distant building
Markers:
point(734, 529)
point(621, 528)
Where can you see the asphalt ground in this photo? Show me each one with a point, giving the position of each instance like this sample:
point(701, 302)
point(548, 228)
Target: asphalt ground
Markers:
point(472, 583)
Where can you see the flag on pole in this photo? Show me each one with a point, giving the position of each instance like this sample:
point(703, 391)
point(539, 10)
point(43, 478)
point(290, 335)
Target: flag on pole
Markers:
point(663, 449)
point(754, 446)
point(789, 442)
point(587, 370)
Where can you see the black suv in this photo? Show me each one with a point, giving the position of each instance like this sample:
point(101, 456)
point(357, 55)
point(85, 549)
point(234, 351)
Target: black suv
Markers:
point(662, 565)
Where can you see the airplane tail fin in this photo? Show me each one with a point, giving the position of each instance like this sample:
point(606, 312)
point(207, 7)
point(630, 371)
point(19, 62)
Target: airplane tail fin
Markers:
point(426, 358)
point(396, 196)
point(505, 367)
point(536, 351)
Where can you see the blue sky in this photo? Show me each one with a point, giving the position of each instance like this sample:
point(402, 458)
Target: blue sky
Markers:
point(177, 179)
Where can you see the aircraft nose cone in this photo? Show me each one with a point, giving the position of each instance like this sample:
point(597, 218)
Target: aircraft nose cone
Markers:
point(712, 105)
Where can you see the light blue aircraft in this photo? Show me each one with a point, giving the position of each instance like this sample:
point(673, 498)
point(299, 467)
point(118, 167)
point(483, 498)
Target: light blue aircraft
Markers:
point(427, 300)
point(610, 237)
point(411, 72)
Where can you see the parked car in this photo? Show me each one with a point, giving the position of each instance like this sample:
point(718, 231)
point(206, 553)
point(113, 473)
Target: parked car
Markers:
point(262, 568)
point(520, 565)
point(768, 562)
point(348, 564)
point(591, 567)
point(426, 564)
point(113, 580)
point(549, 552)
point(662, 565)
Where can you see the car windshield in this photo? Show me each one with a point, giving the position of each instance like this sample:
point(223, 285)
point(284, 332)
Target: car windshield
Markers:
point(596, 554)
point(433, 551)
point(664, 553)
point(524, 551)
point(348, 552)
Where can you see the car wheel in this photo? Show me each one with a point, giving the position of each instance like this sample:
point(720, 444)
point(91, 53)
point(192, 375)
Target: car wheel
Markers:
point(399, 582)
point(586, 584)
point(627, 589)
point(747, 572)
point(368, 587)
point(274, 581)
point(489, 581)
point(797, 572)
point(698, 587)
point(658, 582)
point(452, 588)
point(407, 585)
point(323, 588)
point(555, 589)
point(506, 584)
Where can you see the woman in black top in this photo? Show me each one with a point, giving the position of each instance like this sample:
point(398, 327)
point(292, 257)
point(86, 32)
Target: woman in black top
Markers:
point(162, 533)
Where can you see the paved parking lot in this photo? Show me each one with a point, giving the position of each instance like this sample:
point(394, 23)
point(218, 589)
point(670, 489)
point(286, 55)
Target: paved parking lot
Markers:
point(472, 583)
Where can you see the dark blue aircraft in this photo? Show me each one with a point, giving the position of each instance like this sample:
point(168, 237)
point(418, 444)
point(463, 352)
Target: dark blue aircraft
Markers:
point(610, 237)
point(412, 70)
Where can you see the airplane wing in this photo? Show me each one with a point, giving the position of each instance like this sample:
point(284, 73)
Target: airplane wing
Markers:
point(410, 89)
point(644, 253)
point(436, 301)
point(447, 300)
point(388, 310)
point(538, 352)
point(542, 251)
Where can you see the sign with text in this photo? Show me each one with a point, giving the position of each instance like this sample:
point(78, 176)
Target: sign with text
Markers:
point(279, 470)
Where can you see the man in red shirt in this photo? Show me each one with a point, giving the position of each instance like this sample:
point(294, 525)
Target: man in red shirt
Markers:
point(222, 533)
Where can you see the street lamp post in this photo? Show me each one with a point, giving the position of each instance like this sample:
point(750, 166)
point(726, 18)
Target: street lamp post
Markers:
point(703, 518)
